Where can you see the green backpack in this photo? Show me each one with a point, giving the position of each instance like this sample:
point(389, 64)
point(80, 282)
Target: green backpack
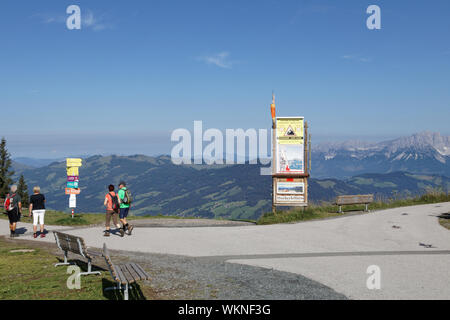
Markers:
point(127, 198)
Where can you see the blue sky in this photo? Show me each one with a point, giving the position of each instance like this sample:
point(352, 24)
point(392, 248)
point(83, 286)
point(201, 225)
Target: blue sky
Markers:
point(139, 69)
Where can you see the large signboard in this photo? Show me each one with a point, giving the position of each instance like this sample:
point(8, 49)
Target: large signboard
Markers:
point(290, 191)
point(290, 145)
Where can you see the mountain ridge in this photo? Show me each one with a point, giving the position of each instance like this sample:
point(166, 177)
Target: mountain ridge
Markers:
point(425, 152)
point(226, 191)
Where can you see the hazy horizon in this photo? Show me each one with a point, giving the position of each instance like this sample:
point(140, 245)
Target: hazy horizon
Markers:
point(21, 148)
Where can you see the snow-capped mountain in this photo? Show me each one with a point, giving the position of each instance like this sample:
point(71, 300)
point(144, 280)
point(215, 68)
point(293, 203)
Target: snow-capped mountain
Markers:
point(425, 152)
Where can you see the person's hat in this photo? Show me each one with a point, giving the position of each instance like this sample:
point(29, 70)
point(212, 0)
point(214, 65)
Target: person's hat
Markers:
point(122, 183)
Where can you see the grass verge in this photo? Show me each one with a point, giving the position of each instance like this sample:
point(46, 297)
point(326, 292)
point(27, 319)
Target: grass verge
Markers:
point(31, 275)
point(328, 211)
point(60, 218)
point(445, 223)
point(27, 272)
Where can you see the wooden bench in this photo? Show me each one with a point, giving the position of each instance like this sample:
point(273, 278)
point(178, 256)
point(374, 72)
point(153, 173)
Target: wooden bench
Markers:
point(124, 274)
point(69, 243)
point(356, 199)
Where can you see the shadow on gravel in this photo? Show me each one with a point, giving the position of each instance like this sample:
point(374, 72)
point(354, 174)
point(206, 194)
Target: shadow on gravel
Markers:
point(134, 293)
point(21, 230)
point(444, 216)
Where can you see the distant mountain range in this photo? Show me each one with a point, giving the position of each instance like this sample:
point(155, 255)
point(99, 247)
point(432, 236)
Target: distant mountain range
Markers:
point(34, 162)
point(426, 152)
point(239, 191)
point(233, 191)
point(422, 153)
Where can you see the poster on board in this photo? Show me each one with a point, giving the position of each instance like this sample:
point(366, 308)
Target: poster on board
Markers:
point(290, 191)
point(287, 187)
point(290, 145)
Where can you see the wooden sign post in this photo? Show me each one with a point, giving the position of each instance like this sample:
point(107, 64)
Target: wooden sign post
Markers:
point(290, 167)
point(72, 181)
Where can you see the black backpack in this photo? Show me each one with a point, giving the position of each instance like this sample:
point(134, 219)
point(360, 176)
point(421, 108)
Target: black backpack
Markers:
point(115, 203)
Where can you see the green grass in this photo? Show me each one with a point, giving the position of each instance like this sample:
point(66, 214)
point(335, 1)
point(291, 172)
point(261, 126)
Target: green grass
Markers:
point(60, 218)
point(315, 212)
point(31, 275)
point(445, 223)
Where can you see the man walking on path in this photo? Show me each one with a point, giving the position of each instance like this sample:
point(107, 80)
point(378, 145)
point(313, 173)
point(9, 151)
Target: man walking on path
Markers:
point(124, 200)
point(13, 206)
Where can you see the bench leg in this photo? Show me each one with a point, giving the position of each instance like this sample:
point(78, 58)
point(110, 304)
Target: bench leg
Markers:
point(125, 292)
point(65, 263)
point(89, 270)
point(119, 287)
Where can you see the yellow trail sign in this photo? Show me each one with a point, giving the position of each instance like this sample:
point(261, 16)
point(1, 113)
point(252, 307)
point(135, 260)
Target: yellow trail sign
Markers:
point(74, 162)
point(72, 171)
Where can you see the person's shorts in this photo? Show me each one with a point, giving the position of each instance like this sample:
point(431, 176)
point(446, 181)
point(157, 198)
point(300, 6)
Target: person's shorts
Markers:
point(123, 213)
point(13, 216)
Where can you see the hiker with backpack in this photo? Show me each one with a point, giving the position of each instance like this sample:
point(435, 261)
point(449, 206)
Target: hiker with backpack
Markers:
point(124, 201)
point(112, 209)
point(13, 207)
point(37, 210)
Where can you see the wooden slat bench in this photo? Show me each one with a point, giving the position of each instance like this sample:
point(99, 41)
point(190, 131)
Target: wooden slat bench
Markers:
point(354, 199)
point(69, 243)
point(123, 274)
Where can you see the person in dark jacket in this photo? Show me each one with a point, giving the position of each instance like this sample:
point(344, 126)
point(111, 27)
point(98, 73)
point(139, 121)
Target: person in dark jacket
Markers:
point(37, 209)
point(14, 210)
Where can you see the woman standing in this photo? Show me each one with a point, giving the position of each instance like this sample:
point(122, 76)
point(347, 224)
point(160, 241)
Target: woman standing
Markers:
point(37, 208)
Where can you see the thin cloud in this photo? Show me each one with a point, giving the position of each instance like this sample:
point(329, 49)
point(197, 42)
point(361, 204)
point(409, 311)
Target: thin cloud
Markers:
point(356, 58)
point(97, 24)
point(88, 20)
point(220, 60)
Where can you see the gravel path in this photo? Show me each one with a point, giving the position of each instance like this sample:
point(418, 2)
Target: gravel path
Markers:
point(180, 277)
point(407, 245)
point(185, 278)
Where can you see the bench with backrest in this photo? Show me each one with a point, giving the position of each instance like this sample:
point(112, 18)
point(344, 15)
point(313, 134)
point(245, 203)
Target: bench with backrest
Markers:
point(123, 274)
point(69, 243)
point(365, 199)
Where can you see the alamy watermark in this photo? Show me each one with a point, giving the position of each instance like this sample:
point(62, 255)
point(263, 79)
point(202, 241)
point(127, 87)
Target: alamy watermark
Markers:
point(374, 20)
point(74, 280)
point(74, 20)
point(236, 146)
point(373, 282)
